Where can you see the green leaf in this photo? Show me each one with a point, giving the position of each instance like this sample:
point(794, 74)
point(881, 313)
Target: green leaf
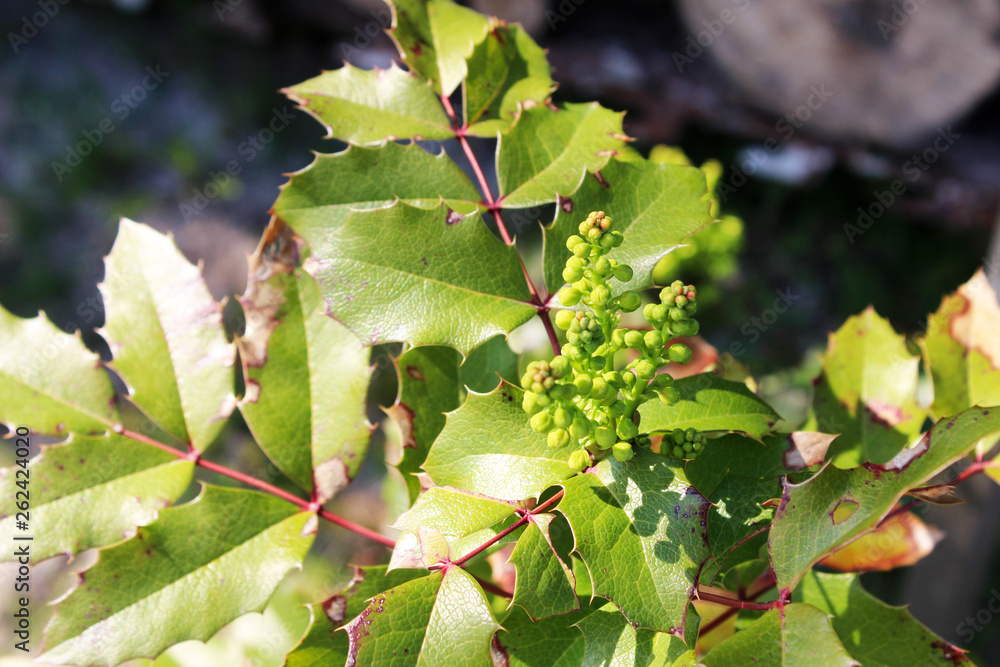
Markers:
point(485, 366)
point(709, 403)
point(545, 585)
point(874, 633)
point(506, 70)
point(435, 37)
point(548, 153)
point(867, 392)
point(736, 513)
point(306, 375)
point(229, 547)
point(611, 640)
point(325, 644)
point(166, 336)
point(454, 512)
point(809, 524)
point(413, 281)
point(549, 642)
point(49, 382)
point(440, 619)
point(798, 636)
point(736, 455)
point(962, 354)
point(656, 206)
point(90, 492)
point(367, 178)
point(639, 527)
point(488, 447)
point(366, 107)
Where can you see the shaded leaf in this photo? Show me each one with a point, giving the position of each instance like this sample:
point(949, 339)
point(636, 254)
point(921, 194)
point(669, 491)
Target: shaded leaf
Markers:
point(611, 640)
point(545, 583)
point(807, 526)
point(166, 336)
point(49, 381)
point(90, 492)
point(549, 642)
point(366, 107)
point(737, 512)
point(229, 546)
point(736, 455)
point(899, 541)
point(485, 366)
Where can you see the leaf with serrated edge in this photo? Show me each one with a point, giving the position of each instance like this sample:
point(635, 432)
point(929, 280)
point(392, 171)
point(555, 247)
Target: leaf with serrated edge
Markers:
point(440, 619)
point(228, 548)
point(412, 281)
point(656, 206)
point(545, 585)
point(640, 528)
point(962, 349)
point(867, 392)
point(798, 636)
point(611, 640)
point(548, 153)
point(365, 178)
point(166, 336)
point(306, 375)
point(709, 403)
point(548, 642)
point(488, 447)
point(49, 381)
point(435, 37)
point(804, 530)
point(366, 107)
point(90, 492)
point(873, 632)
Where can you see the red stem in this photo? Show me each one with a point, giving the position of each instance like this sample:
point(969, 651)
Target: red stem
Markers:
point(507, 531)
point(769, 582)
point(550, 330)
point(738, 604)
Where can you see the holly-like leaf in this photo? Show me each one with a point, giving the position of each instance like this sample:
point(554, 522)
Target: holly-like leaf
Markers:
point(874, 633)
point(230, 547)
point(550, 642)
point(798, 636)
point(90, 492)
point(639, 527)
point(485, 366)
point(963, 350)
point(454, 512)
point(435, 37)
point(548, 153)
point(835, 506)
point(709, 403)
point(867, 392)
point(366, 178)
point(415, 280)
point(545, 585)
point(49, 382)
point(166, 336)
point(738, 512)
point(611, 640)
point(367, 107)
point(657, 206)
point(736, 455)
point(506, 70)
point(901, 540)
point(306, 375)
point(487, 447)
point(440, 619)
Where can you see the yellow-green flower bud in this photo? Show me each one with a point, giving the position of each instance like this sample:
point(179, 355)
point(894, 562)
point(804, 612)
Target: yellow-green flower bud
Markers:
point(623, 272)
point(569, 296)
point(623, 451)
point(563, 418)
point(558, 438)
point(634, 340)
point(572, 274)
point(542, 422)
point(645, 369)
point(600, 295)
point(670, 395)
point(629, 301)
point(564, 318)
point(653, 340)
point(680, 354)
point(584, 384)
point(605, 437)
point(579, 460)
point(627, 429)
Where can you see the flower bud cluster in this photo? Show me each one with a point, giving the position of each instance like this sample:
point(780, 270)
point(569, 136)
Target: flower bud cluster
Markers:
point(578, 399)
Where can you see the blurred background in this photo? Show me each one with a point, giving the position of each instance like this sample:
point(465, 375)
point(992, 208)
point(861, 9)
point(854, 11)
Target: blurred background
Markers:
point(858, 142)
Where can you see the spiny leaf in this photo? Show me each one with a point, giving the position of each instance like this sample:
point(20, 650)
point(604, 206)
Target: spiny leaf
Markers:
point(366, 107)
point(435, 37)
point(230, 547)
point(709, 403)
point(738, 512)
point(867, 392)
point(50, 382)
point(656, 206)
point(545, 585)
point(611, 640)
point(90, 492)
point(962, 348)
point(798, 636)
point(166, 336)
point(306, 375)
point(640, 528)
point(810, 522)
point(366, 178)
point(442, 619)
point(548, 153)
point(413, 281)
point(488, 447)
point(874, 633)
